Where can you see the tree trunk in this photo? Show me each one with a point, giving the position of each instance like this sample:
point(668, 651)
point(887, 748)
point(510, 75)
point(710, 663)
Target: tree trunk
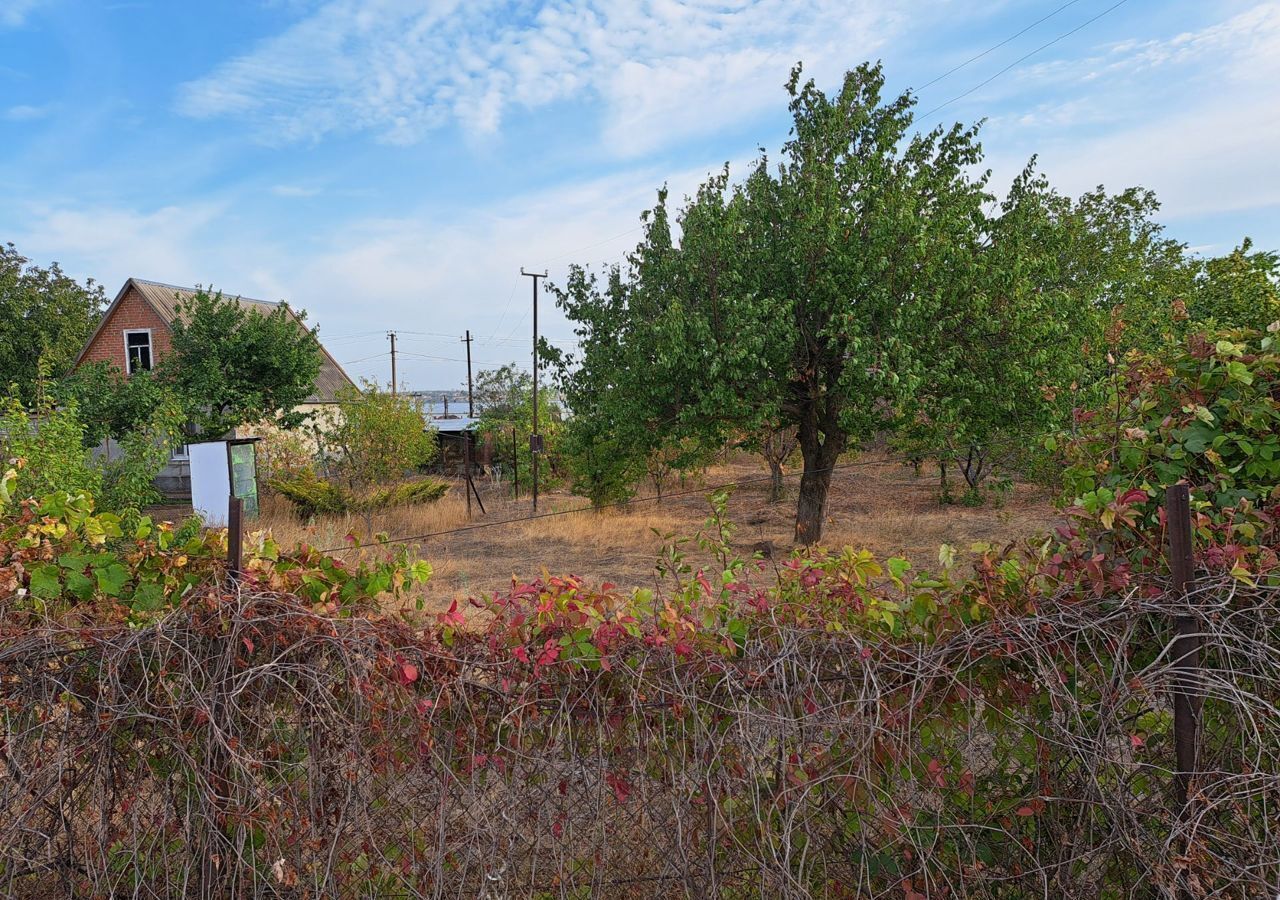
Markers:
point(776, 487)
point(819, 458)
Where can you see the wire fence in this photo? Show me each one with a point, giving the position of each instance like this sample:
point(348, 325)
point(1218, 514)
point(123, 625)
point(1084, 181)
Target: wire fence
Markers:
point(246, 746)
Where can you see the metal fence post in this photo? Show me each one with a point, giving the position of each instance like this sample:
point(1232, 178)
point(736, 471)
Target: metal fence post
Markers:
point(1186, 645)
point(235, 539)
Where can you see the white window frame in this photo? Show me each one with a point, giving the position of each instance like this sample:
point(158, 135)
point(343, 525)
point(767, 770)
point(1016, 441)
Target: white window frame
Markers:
point(180, 453)
point(151, 348)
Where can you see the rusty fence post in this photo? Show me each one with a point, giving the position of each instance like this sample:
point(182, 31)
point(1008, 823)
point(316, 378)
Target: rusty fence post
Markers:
point(235, 539)
point(1186, 644)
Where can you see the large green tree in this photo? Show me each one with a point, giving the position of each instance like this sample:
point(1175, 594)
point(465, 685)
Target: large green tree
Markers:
point(45, 318)
point(231, 365)
point(796, 297)
point(1033, 324)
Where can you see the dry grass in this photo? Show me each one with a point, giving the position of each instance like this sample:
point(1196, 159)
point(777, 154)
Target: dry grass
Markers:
point(878, 504)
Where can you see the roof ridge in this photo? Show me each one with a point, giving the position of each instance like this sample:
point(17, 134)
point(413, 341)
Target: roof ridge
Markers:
point(197, 289)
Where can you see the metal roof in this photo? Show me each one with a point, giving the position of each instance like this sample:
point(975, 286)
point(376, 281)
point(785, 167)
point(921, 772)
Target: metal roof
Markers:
point(454, 425)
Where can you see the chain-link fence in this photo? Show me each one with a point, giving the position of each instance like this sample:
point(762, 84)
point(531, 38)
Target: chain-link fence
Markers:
point(248, 747)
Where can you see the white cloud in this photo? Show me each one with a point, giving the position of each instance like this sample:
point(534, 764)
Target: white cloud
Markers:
point(1193, 117)
point(14, 12)
point(25, 113)
point(113, 244)
point(294, 190)
point(662, 68)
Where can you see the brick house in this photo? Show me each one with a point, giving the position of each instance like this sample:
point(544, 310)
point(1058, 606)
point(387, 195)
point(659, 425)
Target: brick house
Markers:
point(136, 333)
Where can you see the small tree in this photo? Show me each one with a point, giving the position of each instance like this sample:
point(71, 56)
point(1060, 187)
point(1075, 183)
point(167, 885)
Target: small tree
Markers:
point(776, 443)
point(231, 365)
point(375, 436)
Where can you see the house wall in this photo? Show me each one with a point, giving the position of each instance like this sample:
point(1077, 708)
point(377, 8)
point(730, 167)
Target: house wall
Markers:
point(133, 312)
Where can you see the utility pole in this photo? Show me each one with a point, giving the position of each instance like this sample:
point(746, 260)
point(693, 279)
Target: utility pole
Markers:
point(535, 439)
point(471, 405)
point(392, 335)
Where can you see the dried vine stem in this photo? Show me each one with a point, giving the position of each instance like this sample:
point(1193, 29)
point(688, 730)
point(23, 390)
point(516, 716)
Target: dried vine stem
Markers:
point(246, 746)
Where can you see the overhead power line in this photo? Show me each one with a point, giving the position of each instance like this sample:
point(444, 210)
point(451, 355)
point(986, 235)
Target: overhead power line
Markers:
point(992, 49)
point(1017, 62)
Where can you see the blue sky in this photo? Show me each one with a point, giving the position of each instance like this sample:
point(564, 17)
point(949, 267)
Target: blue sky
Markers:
point(392, 164)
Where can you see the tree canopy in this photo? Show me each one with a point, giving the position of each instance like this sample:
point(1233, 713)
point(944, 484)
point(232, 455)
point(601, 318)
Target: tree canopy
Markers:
point(869, 281)
point(45, 319)
point(231, 365)
point(796, 297)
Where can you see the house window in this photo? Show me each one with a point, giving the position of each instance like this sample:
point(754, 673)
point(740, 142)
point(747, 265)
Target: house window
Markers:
point(137, 350)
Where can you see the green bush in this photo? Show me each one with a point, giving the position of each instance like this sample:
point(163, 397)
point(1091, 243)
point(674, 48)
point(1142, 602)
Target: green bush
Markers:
point(410, 493)
point(50, 442)
point(1206, 412)
point(313, 496)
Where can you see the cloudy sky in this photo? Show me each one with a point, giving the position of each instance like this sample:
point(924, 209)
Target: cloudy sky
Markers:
point(391, 164)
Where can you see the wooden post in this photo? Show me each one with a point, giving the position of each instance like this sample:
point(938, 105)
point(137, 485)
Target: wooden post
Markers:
point(1186, 645)
point(515, 462)
point(235, 538)
point(466, 462)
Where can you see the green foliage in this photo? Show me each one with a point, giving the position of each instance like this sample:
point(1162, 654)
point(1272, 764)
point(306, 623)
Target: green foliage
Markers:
point(52, 443)
point(601, 466)
point(129, 480)
point(375, 436)
point(49, 443)
point(1207, 414)
point(505, 399)
point(45, 318)
point(57, 554)
point(1194, 295)
point(313, 496)
point(407, 493)
point(231, 365)
point(794, 298)
point(114, 406)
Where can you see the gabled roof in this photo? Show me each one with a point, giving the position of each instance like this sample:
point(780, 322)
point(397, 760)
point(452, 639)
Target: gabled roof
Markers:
point(165, 299)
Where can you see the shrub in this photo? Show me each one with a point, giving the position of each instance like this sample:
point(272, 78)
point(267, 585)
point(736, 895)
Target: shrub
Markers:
point(408, 493)
point(59, 554)
point(1207, 413)
point(284, 453)
point(311, 495)
point(50, 442)
point(375, 436)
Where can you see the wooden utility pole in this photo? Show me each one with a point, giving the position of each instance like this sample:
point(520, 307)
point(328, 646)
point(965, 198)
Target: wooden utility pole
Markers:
point(471, 404)
point(392, 335)
point(535, 439)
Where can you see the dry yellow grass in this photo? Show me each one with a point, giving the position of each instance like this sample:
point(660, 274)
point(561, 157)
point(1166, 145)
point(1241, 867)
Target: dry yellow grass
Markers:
point(878, 504)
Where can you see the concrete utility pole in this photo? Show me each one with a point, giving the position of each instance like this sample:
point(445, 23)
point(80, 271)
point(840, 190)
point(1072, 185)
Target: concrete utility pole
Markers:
point(392, 335)
point(471, 406)
point(535, 439)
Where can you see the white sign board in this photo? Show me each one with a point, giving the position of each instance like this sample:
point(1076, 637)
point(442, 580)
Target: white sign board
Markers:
point(210, 482)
